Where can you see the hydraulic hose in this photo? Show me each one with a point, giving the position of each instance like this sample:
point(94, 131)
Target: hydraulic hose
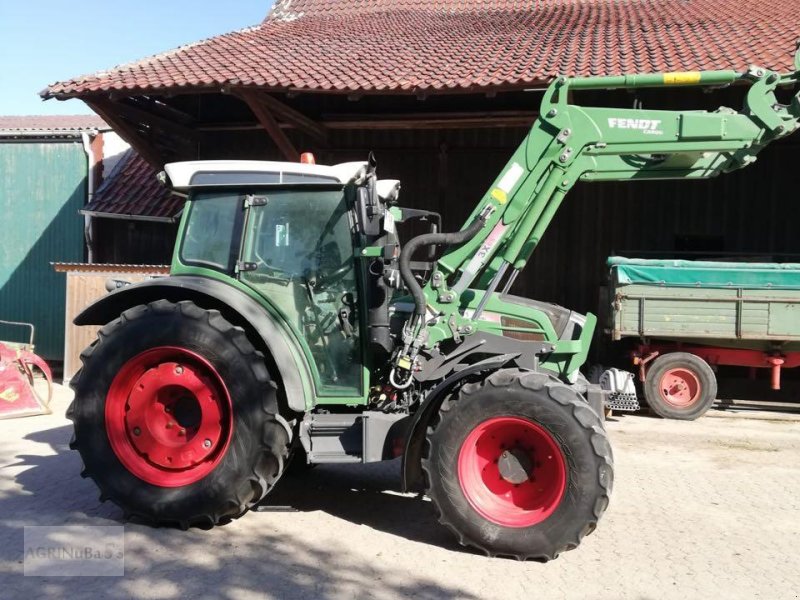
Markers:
point(428, 239)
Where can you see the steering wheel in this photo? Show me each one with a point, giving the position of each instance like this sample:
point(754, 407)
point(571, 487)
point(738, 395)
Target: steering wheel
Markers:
point(330, 278)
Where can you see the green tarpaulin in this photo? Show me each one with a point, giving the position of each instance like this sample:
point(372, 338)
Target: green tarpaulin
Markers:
point(702, 274)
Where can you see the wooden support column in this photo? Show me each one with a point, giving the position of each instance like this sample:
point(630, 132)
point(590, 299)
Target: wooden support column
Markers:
point(267, 120)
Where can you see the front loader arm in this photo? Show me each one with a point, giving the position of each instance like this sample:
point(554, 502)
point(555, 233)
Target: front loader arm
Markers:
point(570, 143)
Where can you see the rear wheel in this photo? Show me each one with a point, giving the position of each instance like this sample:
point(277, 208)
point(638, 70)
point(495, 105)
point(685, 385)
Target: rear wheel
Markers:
point(681, 386)
point(176, 417)
point(518, 465)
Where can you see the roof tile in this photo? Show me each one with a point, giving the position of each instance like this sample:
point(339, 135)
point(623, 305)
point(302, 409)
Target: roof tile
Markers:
point(132, 190)
point(392, 45)
point(51, 124)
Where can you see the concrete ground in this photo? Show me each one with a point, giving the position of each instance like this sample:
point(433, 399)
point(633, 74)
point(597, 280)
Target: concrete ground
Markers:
point(709, 509)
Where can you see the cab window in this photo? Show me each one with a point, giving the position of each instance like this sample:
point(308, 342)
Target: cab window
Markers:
point(300, 245)
point(211, 236)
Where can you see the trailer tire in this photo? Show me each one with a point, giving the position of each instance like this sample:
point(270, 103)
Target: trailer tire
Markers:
point(680, 385)
point(176, 417)
point(551, 432)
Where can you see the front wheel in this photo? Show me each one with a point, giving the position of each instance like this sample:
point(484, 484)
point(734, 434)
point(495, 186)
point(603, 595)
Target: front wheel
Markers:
point(518, 465)
point(176, 417)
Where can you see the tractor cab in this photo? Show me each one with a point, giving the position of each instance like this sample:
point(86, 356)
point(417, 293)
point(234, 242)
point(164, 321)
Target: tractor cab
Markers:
point(289, 233)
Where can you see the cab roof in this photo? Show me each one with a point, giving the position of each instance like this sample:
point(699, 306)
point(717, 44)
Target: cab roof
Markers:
point(203, 173)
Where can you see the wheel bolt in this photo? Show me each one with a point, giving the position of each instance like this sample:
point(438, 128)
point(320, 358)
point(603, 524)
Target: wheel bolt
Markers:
point(207, 444)
point(179, 370)
point(170, 425)
point(182, 431)
point(137, 431)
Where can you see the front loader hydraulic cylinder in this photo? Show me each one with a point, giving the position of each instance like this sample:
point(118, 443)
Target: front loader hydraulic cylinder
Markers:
point(531, 216)
point(541, 225)
point(654, 80)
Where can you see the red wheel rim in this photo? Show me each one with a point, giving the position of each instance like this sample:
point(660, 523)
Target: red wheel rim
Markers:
point(527, 492)
point(168, 416)
point(680, 387)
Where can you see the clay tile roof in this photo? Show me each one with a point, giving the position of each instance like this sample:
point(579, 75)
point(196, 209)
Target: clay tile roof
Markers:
point(52, 125)
point(409, 45)
point(132, 191)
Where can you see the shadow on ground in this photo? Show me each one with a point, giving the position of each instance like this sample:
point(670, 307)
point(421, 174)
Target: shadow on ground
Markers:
point(365, 495)
point(225, 562)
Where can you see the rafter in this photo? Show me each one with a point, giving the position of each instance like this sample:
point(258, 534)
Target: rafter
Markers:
point(106, 109)
point(296, 118)
point(170, 125)
point(267, 120)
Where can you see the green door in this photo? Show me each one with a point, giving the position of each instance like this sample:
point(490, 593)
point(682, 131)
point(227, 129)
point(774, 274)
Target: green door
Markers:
point(297, 254)
point(300, 246)
point(42, 188)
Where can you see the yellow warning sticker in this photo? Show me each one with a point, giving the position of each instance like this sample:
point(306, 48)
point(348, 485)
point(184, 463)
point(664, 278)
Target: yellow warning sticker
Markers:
point(499, 195)
point(681, 77)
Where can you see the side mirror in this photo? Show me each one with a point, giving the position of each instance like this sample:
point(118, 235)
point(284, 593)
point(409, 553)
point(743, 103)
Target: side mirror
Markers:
point(368, 208)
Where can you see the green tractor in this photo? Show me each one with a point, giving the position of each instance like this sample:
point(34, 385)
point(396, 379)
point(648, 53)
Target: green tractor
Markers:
point(295, 327)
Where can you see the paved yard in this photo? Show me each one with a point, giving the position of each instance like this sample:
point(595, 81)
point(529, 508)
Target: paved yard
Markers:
point(709, 509)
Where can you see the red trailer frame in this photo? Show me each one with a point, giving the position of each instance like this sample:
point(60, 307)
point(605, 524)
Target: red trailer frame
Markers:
point(716, 355)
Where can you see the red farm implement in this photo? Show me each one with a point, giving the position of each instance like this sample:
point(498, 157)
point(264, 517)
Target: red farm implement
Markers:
point(22, 393)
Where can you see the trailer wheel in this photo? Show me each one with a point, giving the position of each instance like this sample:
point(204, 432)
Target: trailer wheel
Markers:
point(518, 465)
point(176, 416)
point(680, 386)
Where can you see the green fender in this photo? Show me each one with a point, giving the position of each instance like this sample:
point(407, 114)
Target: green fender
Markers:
point(234, 305)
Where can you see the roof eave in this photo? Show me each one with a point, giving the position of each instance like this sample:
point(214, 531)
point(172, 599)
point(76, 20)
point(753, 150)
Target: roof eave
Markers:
point(130, 217)
point(47, 135)
point(226, 88)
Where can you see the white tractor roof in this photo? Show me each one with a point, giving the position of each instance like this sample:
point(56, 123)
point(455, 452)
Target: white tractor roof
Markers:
point(186, 175)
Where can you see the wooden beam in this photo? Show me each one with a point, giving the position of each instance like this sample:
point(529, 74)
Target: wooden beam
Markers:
point(107, 110)
point(460, 120)
point(160, 105)
point(270, 125)
point(231, 126)
point(296, 118)
point(141, 115)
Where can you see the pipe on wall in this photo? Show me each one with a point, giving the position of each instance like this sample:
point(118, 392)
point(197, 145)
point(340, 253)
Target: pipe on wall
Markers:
point(93, 146)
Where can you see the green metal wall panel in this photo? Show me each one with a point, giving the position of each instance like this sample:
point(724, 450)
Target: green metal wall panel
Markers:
point(42, 188)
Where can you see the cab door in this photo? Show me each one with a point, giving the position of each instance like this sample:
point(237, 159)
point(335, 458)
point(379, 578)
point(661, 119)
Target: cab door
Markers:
point(297, 253)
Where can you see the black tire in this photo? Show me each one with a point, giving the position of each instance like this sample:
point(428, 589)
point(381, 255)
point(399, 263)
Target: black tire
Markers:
point(695, 369)
point(297, 464)
point(575, 428)
point(255, 455)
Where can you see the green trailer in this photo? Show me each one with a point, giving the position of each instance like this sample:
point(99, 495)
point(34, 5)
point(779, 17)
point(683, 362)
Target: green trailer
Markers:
point(691, 316)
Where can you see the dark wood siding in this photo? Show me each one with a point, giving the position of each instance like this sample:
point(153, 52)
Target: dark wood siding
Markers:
point(125, 242)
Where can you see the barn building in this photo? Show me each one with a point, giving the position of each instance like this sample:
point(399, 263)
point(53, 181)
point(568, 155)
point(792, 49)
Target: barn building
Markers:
point(442, 92)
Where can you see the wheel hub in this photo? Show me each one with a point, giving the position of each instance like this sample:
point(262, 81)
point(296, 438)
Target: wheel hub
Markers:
point(512, 471)
point(680, 387)
point(172, 416)
point(168, 416)
point(515, 466)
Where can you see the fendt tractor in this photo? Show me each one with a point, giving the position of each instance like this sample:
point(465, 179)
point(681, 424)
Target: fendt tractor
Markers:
point(294, 326)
